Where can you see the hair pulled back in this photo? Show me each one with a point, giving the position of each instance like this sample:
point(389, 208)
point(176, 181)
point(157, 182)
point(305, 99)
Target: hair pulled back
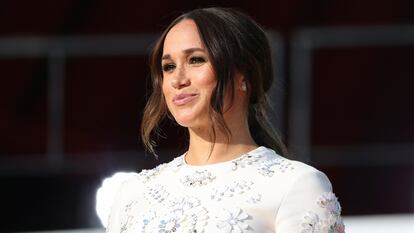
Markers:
point(235, 43)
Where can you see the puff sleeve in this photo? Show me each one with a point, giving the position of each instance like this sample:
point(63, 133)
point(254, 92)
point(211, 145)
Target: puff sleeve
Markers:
point(110, 200)
point(115, 216)
point(309, 206)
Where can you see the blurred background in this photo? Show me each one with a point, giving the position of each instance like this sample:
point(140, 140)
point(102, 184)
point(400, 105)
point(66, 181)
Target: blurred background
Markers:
point(75, 80)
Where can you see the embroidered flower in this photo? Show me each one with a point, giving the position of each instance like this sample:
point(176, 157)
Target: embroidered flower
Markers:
point(198, 178)
point(181, 214)
point(311, 223)
point(232, 221)
point(329, 201)
point(172, 222)
point(193, 216)
point(332, 223)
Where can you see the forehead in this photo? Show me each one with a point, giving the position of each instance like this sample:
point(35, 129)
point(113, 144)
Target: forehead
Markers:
point(182, 36)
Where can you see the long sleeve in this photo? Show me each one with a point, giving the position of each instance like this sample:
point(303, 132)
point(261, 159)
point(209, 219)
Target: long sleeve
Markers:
point(309, 206)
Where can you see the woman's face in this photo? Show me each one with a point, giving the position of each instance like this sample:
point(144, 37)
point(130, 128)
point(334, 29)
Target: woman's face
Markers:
point(188, 75)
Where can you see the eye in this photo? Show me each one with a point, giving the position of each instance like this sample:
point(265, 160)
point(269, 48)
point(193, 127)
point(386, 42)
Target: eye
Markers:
point(168, 67)
point(197, 60)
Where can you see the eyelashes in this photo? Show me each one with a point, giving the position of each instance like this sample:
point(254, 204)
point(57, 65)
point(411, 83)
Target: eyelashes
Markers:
point(194, 60)
point(197, 60)
point(168, 67)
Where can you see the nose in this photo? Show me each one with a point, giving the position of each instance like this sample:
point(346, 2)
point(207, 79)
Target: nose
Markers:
point(180, 80)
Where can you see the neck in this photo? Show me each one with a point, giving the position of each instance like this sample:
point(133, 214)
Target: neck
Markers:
point(203, 150)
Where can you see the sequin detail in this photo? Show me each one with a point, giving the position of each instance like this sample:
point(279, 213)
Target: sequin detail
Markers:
point(265, 166)
point(147, 175)
point(181, 214)
point(231, 190)
point(198, 178)
point(155, 194)
point(269, 167)
point(245, 160)
point(331, 223)
point(135, 220)
point(199, 199)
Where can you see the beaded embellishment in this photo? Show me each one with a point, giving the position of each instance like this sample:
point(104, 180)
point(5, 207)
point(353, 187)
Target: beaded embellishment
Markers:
point(181, 214)
point(266, 167)
point(313, 223)
point(245, 160)
point(147, 175)
point(155, 194)
point(230, 190)
point(198, 178)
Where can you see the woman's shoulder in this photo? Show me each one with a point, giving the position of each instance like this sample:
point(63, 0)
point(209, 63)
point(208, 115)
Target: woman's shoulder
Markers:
point(319, 207)
point(121, 185)
point(109, 190)
point(125, 181)
point(288, 173)
point(282, 165)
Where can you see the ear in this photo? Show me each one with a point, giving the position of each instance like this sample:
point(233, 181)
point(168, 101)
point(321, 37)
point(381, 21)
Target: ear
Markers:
point(240, 82)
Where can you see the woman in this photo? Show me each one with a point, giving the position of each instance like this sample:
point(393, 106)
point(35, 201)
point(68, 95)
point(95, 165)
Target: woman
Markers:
point(211, 69)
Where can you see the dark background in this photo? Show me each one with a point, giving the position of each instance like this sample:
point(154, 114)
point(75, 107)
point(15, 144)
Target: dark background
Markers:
point(362, 129)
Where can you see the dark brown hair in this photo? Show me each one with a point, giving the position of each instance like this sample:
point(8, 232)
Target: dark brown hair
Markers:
point(235, 43)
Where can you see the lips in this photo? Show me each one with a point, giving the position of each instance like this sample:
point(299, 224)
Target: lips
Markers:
point(183, 99)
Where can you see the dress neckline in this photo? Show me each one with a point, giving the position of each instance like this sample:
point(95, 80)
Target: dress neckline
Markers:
point(255, 152)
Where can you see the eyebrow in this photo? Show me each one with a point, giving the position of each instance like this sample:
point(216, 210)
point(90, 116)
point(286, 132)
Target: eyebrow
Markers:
point(186, 51)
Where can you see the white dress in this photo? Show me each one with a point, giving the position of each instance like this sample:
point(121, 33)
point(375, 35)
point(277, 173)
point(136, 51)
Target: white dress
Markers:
point(258, 192)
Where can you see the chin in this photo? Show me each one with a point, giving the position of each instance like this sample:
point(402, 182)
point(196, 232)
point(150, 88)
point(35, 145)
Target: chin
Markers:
point(190, 117)
point(184, 122)
point(188, 121)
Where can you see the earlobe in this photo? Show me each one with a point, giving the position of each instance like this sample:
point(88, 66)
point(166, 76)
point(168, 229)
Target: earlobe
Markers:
point(241, 81)
point(243, 86)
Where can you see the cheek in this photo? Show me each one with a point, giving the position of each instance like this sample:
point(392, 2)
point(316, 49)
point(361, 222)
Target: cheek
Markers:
point(206, 80)
point(165, 88)
point(166, 91)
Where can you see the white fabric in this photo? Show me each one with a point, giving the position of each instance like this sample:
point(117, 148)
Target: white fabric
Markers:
point(107, 192)
point(258, 192)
